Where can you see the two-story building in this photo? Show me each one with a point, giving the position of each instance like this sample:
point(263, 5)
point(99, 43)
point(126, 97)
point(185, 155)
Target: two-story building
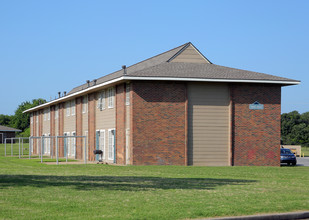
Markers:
point(176, 108)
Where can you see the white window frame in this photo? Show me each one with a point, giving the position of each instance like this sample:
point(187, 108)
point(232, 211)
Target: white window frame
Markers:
point(111, 144)
point(111, 97)
point(128, 89)
point(31, 118)
point(102, 142)
point(73, 144)
point(73, 107)
point(67, 107)
point(101, 100)
point(85, 104)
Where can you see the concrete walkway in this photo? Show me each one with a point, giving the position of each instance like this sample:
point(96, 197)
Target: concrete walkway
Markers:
point(303, 161)
point(277, 216)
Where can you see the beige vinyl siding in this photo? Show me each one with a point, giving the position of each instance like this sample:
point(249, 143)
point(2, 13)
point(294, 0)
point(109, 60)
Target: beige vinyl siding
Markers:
point(46, 121)
point(208, 124)
point(69, 122)
point(105, 119)
point(190, 55)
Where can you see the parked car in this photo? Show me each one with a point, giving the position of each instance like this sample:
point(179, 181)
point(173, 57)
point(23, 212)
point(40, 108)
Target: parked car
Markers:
point(286, 156)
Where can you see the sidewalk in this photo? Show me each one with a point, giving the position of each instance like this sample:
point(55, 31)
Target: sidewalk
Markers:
point(277, 216)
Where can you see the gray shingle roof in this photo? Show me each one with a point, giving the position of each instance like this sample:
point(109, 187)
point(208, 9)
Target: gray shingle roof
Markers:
point(204, 71)
point(158, 66)
point(5, 128)
point(153, 61)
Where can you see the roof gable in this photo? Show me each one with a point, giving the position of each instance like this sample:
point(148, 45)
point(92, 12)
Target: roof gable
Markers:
point(189, 54)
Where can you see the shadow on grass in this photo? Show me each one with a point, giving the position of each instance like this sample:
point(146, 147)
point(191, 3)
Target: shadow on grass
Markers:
point(124, 183)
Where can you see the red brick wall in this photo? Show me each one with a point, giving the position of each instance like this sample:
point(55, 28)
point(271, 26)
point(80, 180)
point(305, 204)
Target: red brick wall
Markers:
point(120, 124)
point(91, 126)
point(256, 133)
point(79, 128)
point(60, 129)
point(52, 129)
point(158, 123)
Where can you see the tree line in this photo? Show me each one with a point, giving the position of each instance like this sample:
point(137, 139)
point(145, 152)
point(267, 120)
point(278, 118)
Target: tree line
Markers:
point(21, 120)
point(295, 128)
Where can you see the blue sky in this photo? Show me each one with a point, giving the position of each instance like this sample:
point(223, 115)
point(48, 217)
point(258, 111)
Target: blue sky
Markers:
point(51, 46)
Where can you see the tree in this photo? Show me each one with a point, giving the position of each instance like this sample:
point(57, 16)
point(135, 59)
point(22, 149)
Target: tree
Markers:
point(5, 120)
point(21, 120)
point(295, 128)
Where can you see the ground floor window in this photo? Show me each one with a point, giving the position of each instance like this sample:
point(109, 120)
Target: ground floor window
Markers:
point(111, 144)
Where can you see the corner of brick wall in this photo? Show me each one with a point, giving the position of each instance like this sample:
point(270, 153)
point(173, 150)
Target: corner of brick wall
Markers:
point(79, 128)
point(120, 124)
point(158, 123)
point(256, 133)
point(91, 126)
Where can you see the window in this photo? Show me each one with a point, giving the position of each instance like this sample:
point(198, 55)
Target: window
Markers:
point(56, 112)
point(102, 142)
point(101, 100)
point(67, 106)
point(73, 107)
point(73, 144)
point(111, 97)
point(111, 143)
point(128, 94)
point(48, 113)
point(46, 144)
point(31, 118)
point(85, 103)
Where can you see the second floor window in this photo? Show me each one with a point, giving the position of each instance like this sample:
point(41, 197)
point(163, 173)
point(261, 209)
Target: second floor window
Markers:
point(111, 97)
point(101, 100)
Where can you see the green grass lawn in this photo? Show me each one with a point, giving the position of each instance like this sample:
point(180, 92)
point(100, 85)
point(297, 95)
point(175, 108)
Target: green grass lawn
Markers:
point(31, 190)
point(305, 150)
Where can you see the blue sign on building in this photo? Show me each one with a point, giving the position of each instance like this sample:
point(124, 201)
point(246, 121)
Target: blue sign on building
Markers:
point(256, 106)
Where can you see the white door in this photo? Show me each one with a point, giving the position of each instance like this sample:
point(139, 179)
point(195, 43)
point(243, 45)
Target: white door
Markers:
point(73, 145)
point(102, 142)
point(111, 144)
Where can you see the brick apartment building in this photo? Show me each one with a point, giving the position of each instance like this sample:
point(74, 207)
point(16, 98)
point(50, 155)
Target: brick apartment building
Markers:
point(176, 108)
point(7, 132)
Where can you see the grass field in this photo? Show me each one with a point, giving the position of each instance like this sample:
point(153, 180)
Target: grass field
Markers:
point(305, 150)
point(31, 190)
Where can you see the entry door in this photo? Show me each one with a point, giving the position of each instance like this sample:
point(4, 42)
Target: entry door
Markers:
point(97, 144)
point(73, 145)
point(111, 145)
point(65, 143)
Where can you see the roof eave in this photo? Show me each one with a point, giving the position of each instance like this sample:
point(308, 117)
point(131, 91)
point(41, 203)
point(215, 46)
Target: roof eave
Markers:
point(79, 93)
point(282, 82)
point(119, 79)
